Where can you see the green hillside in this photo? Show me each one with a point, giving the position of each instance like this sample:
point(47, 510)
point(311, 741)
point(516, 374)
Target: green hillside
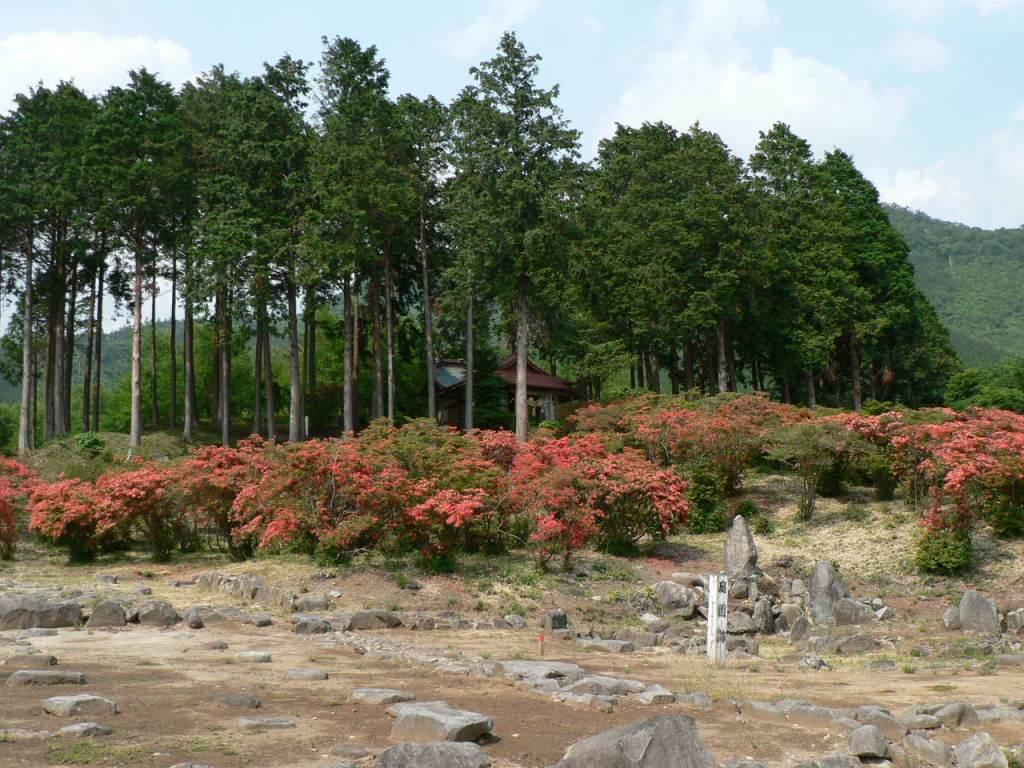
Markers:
point(975, 280)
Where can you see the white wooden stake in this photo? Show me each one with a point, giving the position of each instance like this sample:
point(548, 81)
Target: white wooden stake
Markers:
point(718, 616)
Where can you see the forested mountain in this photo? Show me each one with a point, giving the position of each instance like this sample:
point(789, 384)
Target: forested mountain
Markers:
point(973, 278)
point(325, 240)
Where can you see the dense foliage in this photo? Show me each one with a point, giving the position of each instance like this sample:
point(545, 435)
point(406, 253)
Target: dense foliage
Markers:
point(326, 243)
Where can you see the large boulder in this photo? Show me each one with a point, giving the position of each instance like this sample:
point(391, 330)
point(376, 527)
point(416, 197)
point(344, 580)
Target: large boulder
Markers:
point(437, 721)
point(980, 751)
point(438, 755)
point(740, 550)
point(824, 590)
point(45, 677)
point(379, 696)
point(363, 620)
point(929, 750)
point(847, 611)
point(109, 613)
point(675, 597)
point(666, 741)
point(868, 741)
point(158, 614)
point(31, 612)
point(978, 613)
point(82, 704)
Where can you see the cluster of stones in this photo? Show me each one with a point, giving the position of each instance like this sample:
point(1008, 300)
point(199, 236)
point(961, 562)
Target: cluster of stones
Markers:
point(979, 614)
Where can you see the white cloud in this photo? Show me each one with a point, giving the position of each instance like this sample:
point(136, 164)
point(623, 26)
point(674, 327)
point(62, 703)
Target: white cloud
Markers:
point(989, 7)
point(482, 33)
point(922, 11)
point(1007, 147)
point(930, 188)
point(703, 72)
point(918, 52)
point(592, 25)
point(94, 61)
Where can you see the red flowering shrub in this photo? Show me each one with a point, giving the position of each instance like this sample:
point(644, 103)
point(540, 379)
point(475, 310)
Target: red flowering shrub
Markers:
point(16, 482)
point(70, 513)
point(576, 491)
point(138, 497)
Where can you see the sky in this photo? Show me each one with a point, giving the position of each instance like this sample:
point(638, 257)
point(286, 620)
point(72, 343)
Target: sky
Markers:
point(925, 94)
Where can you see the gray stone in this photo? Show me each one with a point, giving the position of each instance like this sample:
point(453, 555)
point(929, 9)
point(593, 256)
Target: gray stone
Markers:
point(1002, 713)
point(257, 619)
point(740, 550)
point(955, 714)
point(587, 701)
point(980, 751)
point(437, 755)
point(846, 610)
point(311, 625)
point(351, 751)
point(764, 618)
point(922, 722)
point(800, 630)
point(868, 741)
point(884, 613)
point(31, 661)
point(666, 741)
point(603, 685)
point(951, 618)
point(194, 619)
point(306, 674)
point(379, 696)
point(311, 603)
point(253, 657)
point(363, 620)
point(825, 588)
point(859, 643)
point(109, 613)
point(814, 662)
point(86, 729)
point(934, 752)
point(882, 665)
point(82, 704)
point(45, 677)
point(813, 716)
point(890, 727)
point(265, 723)
point(978, 613)
point(143, 590)
point(696, 699)
point(158, 614)
point(838, 760)
point(740, 623)
point(237, 700)
point(32, 612)
point(214, 645)
point(691, 580)
point(437, 721)
point(656, 694)
point(539, 670)
point(1015, 621)
point(744, 762)
point(789, 613)
point(639, 638)
point(106, 578)
point(555, 619)
point(515, 621)
point(674, 597)
point(764, 711)
point(612, 646)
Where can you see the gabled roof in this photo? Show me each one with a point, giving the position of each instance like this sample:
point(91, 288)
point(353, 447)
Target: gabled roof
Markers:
point(450, 374)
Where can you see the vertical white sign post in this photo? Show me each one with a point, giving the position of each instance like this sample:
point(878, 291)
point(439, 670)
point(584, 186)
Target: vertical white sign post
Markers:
point(718, 616)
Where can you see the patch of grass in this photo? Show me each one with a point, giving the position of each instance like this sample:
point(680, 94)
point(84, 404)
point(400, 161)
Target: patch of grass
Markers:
point(87, 752)
point(909, 669)
point(942, 687)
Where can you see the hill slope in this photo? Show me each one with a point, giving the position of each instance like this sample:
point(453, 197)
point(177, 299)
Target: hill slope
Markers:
point(973, 278)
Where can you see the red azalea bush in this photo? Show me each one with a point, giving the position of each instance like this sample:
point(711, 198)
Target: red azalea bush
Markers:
point(70, 513)
point(16, 483)
point(139, 497)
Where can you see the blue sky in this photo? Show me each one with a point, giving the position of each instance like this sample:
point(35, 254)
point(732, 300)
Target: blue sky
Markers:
point(925, 94)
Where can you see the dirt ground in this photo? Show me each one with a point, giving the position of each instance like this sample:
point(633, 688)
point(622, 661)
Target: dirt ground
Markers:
point(165, 682)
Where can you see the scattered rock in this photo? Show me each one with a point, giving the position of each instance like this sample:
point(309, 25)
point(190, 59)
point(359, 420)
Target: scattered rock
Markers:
point(800, 630)
point(379, 696)
point(696, 699)
point(437, 721)
point(311, 603)
point(253, 657)
point(109, 613)
point(106, 578)
point(954, 714)
point(951, 618)
point(214, 645)
point(555, 619)
point(846, 610)
point(306, 674)
point(604, 685)
point(922, 722)
point(257, 619)
point(237, 700)
point(929, 750)
point(30, 612)
point(45, 677)
point(311, 625)
point(868, 741)
point(675, 597)
point(363, 620)
point(86, 729)
point(980, 751)
point(82, 704)
point(612, 646)
point(265, 723)
point(859, 643)
point(438, 755)
point(158, 614)
point(814, 662)
point(31, 661)
point(740, 550)
point(978, 613)
point(515, 621)
point(666, 741)
point(824, 590)
point(656, 694)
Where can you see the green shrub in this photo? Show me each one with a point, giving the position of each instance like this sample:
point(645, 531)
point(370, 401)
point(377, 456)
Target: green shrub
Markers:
point(747, 508)
point(943, 552)
point(763, 525)
point(856, 513)
point(90, 444)
point(705, 497)
point(832, 481)
point(1004, 510)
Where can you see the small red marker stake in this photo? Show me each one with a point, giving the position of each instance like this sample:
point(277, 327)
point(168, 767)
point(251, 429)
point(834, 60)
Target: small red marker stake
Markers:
point(540, 643)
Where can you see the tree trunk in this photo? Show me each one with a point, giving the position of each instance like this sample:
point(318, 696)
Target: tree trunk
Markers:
point(855, 371)
point(674, 371)
point(295, 381)
point(135, 439)
point(688, 365)
point(26, 420)
point(268, 383)
point(89, 339)
point(468, 420)
point(356, 346)
point(69, 345)
point(787, 398)
point(522, 351)
point(174, 338)
point(811, 399)
point(311, 346)
point(224, 331)
point(257, 373)
point(189, 416)
point(348, 417)
point(389, 327)
point(428, 323)
point(154, 410)
point(98, 362)
point(59, 368)
point(378, 361)
point(723, 368)
point(49, 374)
